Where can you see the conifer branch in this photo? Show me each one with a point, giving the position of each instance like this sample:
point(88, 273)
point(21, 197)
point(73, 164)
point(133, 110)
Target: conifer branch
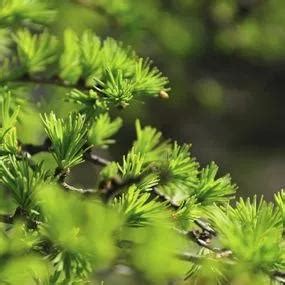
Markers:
point(114, 72)
point(46, 145)
point(158, 188)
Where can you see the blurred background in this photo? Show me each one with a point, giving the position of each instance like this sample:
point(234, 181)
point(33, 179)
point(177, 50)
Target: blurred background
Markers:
point(226, 63)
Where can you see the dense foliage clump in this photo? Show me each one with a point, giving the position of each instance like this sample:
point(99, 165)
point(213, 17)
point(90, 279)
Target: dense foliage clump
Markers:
point(155, 214)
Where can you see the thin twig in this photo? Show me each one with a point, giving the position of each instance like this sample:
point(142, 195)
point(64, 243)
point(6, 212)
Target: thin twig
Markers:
point(95, 159)
point(78, 190)
point(185, 256)
point(200, 258)
point(205, 226)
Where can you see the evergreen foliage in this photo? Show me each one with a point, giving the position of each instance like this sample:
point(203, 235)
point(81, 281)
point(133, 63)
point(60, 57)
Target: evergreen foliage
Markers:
point(157, 212)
